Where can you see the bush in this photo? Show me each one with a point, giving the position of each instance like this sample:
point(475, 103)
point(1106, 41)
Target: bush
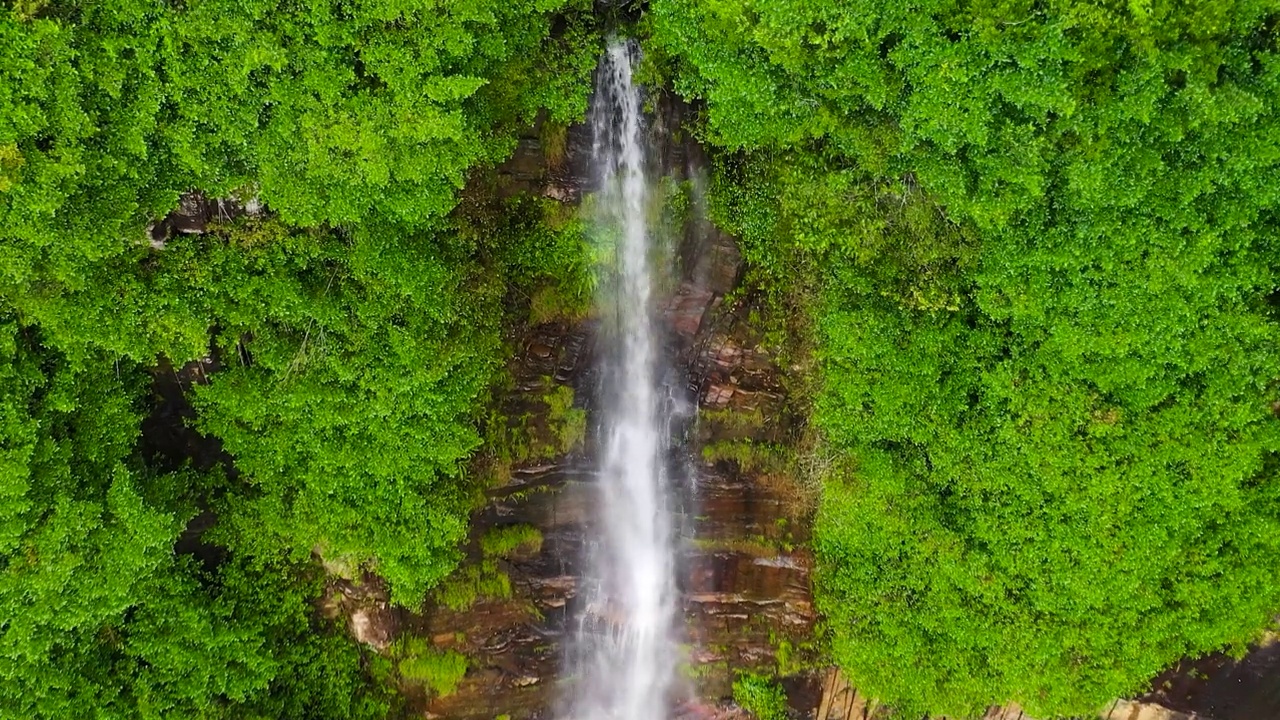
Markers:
point(760, 696)
point(440, 671)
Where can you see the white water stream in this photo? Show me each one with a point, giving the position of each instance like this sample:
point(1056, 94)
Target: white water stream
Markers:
point(625, 653)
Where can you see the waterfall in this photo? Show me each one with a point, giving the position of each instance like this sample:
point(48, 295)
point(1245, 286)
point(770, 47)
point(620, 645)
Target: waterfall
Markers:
point(625, 653)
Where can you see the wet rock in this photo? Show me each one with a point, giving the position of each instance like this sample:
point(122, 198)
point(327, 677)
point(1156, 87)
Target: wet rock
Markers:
point(699, 710)
point(701, 656)
point(746, 584)
point(537, 469)
point(373, 626)
point(1222, 687)
point(724, 353)
point(363, 603)
point(728, 367)
point(717, 396)
point(709, 257)
point(685, 311)
point(1130, 710)
point(170, 440)
point(576, 347)
point(550, 171)
point(195, 213)
point(553, 350)
point(559, 192)
point(789, 563)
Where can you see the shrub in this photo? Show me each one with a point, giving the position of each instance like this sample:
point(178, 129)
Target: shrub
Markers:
point(760, 696)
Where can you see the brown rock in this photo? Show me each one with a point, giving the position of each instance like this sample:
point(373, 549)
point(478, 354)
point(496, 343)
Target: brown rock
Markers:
point(717, 395)
point(372, 627)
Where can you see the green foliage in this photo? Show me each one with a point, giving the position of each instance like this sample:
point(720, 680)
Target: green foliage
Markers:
point(439, 671)
point(472, 582)
point(1042, 237)
point(901, 243)
point(568, 424)
point(508, 540)
point(356, 357)
point(349, 396)
point(542, 247)
point(733, 422)
point(749, 455)
point(357, 326)
point(357, 114)
point(760, 696)
point(103, 619)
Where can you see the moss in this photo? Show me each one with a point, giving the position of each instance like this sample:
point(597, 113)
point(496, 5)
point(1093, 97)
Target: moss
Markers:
point(554, 138)
point(761, 696)
point(494, 472)
point(733, 422)
point(472, 582)
point(535, 434)
point(699, 671)
point(796, 655)
point(758, 546)
point(11, 161)
point(418, 663)
point(794, 472)
point(381, 668)
point(457, 592)
point(551, 302)
point(502, 542)
point(568, 424)
point(749, 456)
point(248, 233)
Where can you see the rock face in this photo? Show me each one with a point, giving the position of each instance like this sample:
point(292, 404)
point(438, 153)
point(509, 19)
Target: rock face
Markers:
point(1224, 688)
point(745, 576)
point(195, 212)
point(745, 566)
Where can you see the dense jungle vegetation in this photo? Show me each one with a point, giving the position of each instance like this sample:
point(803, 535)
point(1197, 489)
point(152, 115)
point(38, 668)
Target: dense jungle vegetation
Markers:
point(1045, 241)
point(357, 325)
point(1031, 244)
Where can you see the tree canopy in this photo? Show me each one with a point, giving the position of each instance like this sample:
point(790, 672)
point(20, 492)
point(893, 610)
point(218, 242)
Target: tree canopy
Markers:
point(1041, 274)
point(1047, 346)
point(102, 618)
point(355, 322)
point(354, 115)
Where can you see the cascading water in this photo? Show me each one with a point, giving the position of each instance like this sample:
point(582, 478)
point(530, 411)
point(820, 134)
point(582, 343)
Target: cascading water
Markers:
point(625, 653)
